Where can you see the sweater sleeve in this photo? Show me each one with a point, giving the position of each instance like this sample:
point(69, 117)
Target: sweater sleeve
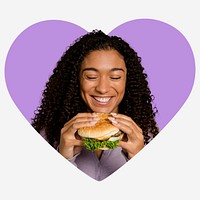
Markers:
point(73, 159)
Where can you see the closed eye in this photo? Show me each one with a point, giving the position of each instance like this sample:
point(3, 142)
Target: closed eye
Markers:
point(91, 77)
point(116, 77)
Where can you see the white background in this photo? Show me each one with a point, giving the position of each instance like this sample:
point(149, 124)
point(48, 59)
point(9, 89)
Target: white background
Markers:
point(168, 168)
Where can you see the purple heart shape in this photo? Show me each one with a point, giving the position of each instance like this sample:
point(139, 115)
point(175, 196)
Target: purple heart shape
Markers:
point(166, 56)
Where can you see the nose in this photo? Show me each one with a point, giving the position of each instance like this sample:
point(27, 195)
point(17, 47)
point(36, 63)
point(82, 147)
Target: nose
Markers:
point(102, 85)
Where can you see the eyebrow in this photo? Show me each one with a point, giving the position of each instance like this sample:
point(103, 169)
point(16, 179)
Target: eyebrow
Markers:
point(89, 69)
point(94, 69)
point(117, 69)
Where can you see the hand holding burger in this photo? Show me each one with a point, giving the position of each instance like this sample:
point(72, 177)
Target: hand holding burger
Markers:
point(100, 131)
point(133, 141)
point(70, 143)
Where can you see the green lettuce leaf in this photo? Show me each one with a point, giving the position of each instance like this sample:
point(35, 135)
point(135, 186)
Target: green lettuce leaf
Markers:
point(94, 145)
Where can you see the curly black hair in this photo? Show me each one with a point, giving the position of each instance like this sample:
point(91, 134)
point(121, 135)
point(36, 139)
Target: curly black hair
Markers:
point(62, 100)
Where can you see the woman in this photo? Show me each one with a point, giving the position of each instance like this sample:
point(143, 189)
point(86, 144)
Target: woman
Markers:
point(97, 74)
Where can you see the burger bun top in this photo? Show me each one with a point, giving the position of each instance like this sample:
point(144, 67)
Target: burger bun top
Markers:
point(102, 130)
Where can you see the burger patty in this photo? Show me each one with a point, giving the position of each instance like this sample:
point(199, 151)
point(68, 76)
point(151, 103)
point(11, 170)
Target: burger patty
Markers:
point(106, 138)
point(117, 134)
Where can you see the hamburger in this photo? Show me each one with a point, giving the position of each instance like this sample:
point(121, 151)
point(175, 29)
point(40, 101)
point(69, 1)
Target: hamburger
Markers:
point(101, 136)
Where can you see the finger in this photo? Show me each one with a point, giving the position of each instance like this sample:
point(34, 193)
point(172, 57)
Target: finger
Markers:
point(126, 120)
point(70, 142)
point(123, 121)
point(125, 146)
point(131, 149)
point(82, 117)
point(79, 121)
point(126, 129)
point(117, 115)
point(91, 120)
point(72, 129)
point(78, 142)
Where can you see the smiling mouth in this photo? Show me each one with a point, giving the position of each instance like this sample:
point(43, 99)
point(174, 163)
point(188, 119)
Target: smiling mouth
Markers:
point(102, 99)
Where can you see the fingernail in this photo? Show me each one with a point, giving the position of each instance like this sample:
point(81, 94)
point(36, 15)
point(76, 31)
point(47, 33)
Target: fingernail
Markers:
point(93, 122)
point(113, 114)
point(96, 118)
point(115, 122)
point(112, 119)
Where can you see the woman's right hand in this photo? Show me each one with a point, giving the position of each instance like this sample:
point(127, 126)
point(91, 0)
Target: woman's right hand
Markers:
point(70, 143)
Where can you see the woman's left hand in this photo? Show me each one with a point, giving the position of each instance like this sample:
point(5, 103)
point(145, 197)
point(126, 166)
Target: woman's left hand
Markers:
point(134, 138)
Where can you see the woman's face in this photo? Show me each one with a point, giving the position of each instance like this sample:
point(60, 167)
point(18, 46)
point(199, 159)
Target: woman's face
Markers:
point(103, 80)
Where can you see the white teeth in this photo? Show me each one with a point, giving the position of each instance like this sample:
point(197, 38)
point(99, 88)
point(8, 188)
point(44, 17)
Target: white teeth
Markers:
point(102, 100)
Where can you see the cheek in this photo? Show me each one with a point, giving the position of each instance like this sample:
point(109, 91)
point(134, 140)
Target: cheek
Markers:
point(84, 88)
point(121, 88)
point(121, 93)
